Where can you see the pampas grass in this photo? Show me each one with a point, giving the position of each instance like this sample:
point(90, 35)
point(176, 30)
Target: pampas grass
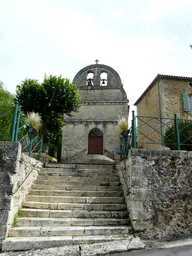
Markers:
point(123, 124)
point(34, 120)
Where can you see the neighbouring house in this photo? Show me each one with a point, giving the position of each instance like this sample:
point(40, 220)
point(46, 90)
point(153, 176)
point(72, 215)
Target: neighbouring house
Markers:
point(92, 130)
point(165, 96)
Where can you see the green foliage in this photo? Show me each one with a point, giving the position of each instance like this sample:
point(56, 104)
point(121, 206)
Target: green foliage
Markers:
point(6, 113)
point(31, 96)
point(185, 134)
point(52, 98)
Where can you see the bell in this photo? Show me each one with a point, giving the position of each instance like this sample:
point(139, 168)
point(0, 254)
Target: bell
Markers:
point(103, 81)
point(89, 82)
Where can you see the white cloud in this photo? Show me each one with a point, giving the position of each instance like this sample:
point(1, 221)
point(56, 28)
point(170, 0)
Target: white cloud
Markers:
point(114, 13)
point(39, 37)
point(156, 10)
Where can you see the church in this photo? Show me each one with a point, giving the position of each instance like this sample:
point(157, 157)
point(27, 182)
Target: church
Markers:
point(92, 130)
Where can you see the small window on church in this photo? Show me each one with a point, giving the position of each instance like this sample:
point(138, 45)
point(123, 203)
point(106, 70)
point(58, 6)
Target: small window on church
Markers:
point(103, 79)
point(90, 76)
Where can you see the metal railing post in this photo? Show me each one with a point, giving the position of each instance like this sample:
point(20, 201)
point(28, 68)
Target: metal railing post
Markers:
point(176, 126)
point(41, 147)
point(133, 130)
point(14, 120)
point(17, 124)
point(30, 146)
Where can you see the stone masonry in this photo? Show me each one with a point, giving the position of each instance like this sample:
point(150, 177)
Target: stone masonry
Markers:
point(71, 204)
point(17, 173)
point(103, 102)
point(158, 192)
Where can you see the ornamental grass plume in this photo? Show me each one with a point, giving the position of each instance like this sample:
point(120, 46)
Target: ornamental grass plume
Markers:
point(123, 124)
point(34, 120)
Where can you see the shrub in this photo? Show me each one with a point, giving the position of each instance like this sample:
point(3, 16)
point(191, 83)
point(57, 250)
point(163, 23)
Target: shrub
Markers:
point(185, 134)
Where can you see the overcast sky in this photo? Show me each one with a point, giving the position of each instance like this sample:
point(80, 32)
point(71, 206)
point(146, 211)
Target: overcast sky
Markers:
point(138, 38)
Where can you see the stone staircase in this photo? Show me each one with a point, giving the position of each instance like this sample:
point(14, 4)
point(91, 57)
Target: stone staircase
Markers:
point(71, 204)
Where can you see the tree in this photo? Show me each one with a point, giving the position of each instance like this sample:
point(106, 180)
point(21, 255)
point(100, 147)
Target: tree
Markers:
point(185, 135)
point(52, 98)
point(6, 113)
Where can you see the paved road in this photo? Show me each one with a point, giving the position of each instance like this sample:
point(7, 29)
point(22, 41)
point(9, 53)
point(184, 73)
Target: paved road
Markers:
point(182, 251)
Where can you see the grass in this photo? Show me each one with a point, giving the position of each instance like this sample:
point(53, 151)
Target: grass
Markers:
point(14, 224)
point(34, 120)
point(123, 124)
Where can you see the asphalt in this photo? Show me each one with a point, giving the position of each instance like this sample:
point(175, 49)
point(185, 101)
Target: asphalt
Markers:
point(179, 251)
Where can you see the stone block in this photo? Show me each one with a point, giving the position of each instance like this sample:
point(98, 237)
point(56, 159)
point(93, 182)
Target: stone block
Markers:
point(136, 244)
point(106, 248)
point(134, 205)
point(3, 216)
point(140, 194)
point(139, 181)
point(139, 225)
point(3, 230)
point(140, 215)
point(189, 154)
point(136, 170)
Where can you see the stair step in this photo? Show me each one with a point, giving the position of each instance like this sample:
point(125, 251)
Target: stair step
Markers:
point(67, 231)
point(81, 166)
point(74, 178)
point(46, 213)
point(92, 175)
point(67, 187)
point(76, 193)
point(77, 173)
point(71, 204)
point(58, 222)
point(75, 199)
point(79, 183)
point(29, 243)
point(75, 206)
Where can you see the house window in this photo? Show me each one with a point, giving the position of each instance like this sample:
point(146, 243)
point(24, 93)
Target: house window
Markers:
point(187, 101)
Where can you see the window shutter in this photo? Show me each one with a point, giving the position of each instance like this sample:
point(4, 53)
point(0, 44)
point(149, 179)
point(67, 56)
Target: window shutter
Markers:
point(186, 102)
point(190, 100)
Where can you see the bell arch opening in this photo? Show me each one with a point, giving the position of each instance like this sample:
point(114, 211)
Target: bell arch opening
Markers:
point(103, 78)
point(90, 76)
point(95, 142)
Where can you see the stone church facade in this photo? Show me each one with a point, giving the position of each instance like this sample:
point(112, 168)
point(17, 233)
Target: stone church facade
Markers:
point(93, 129)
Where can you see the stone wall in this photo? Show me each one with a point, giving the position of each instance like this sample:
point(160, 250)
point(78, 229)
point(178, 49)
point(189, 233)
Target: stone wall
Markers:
point(17, 174)
point(148, 106)
point(172, 98)
point(158, 192)
point(100, 111)
point(105, 94)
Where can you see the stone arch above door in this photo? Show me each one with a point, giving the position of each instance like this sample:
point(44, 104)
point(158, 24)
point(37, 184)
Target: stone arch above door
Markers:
point(95, 141)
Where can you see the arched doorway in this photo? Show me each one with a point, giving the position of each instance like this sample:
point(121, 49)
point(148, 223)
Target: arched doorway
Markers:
point(95, 142)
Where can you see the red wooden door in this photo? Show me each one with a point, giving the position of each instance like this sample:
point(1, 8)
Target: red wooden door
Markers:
point(95, 145)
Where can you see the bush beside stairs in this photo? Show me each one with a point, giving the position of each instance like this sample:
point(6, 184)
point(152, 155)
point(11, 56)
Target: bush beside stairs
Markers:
point(71, 204)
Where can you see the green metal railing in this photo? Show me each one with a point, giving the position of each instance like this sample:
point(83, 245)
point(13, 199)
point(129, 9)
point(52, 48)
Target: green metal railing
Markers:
point(31, 142)
point(154, 131)
point(125, 143)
